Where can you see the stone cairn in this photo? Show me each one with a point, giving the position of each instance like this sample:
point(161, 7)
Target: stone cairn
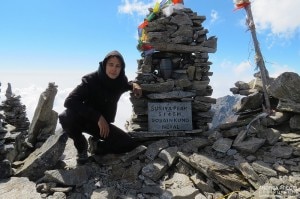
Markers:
point(174, 66)
point(13, 124)
point(18, 137)
point(14, 111)
point(279, 128)
point(5, 165)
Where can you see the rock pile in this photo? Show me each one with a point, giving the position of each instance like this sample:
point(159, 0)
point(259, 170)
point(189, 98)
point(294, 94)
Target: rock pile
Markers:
point(14, 111)
point(13, 122)
point(284, 98)
point(174, 66)
point(256, 157)
point(5, 165)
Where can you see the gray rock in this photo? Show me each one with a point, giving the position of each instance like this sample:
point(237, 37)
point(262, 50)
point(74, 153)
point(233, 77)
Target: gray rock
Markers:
point(169, 155)
point(283, 87)
point(159, 87)
point(202, 185)
point(295, 122)
point(154, 149)
point(18, 187)
point(253, 101)
point(43, 158)
point(271, 135)
point(248, 172)
point(288, 106)
point(250, 145)
point(219, 172)
point(44, 118)
point(134, 154)
point(282, 151)
point(171, 95)
point(194, 145)
point(222, 145)
point(72, 177)
point(263, 168)
point(155, 170)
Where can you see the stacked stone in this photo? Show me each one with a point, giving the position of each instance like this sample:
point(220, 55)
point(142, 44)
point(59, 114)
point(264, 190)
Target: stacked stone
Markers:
point(5, 164)
point(181, 40)
point(252, 104)
point(285, 106)
point(14, 111)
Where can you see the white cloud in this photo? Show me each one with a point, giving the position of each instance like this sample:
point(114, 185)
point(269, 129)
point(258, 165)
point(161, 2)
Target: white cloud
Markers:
point(135, 7)
point(124, 111)
point(214, 16)
point(228, 74)
point(242, 68)
point(275, 70)
point(280, 16)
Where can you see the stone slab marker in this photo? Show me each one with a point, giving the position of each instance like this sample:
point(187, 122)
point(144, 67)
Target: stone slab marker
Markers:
point(170, 116)
point(44, 117)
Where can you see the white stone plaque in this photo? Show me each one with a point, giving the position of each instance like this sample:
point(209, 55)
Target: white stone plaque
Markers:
point(169, 116)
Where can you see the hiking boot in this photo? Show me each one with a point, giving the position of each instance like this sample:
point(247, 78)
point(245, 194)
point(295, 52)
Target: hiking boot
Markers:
point(92, 145)
point(95, 146)
point(82, 157)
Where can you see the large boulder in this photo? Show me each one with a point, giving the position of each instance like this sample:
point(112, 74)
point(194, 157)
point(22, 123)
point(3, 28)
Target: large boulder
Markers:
point(286, 87)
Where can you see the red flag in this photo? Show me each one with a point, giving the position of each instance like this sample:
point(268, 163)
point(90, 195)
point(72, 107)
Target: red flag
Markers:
point(241, 5)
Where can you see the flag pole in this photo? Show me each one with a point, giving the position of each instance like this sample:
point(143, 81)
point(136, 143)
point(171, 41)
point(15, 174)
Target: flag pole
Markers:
point(258, 57)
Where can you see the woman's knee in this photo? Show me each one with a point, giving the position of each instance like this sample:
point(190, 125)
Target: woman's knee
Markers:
point(67, 118)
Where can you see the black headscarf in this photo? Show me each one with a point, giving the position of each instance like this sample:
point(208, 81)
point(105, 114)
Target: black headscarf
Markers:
point(120, 81)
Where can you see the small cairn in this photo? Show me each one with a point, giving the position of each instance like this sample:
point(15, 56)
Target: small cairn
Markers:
point(5, 164)
point(14, 111)
point(283, 105)
point(17, 125)
point(175, 65)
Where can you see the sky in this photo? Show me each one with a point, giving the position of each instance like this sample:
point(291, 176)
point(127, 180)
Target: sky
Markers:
point(59, 41)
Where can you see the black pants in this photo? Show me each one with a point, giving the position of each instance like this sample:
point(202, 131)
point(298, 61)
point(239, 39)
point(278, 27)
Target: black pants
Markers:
point(74, 125)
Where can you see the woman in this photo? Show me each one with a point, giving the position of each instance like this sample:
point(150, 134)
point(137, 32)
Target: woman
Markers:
point(91, 108)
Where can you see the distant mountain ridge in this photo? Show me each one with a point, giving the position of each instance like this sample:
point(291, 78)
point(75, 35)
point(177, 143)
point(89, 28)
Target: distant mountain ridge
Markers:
point(223, 110)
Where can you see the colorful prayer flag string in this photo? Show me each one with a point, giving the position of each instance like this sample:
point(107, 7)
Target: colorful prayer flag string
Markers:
point(143, 45)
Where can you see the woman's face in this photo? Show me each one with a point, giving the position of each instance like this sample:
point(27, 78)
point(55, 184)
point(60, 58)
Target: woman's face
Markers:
point(113, 67)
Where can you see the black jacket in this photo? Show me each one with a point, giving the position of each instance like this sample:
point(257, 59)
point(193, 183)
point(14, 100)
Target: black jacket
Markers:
point(98, 94)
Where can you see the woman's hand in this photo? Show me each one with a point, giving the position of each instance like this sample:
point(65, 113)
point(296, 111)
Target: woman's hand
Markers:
point(103, 127)
point(137, 90)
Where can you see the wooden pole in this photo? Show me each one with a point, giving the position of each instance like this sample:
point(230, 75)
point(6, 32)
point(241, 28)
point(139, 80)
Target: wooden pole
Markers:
point(259, 58)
